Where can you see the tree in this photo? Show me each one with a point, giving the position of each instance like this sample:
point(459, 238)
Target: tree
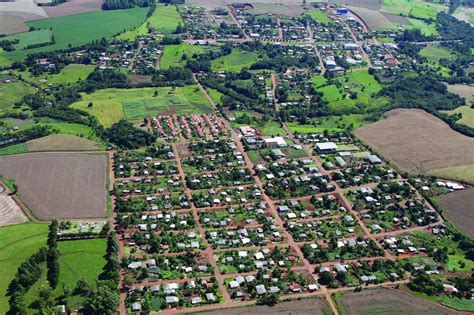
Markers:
point(104, 299)
point(53, 267)
point(17, 304)
point(441, 255)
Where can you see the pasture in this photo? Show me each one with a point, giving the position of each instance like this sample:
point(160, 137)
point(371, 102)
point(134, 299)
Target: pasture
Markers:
point(112, 105)
point(30, 38)
point(425, 28)
point(235, 61)
point(434, 54)
point(165, 19)
point(413, 8)
point(18, 243)
point(418, 142)
point(12, 92)
point(385, 301)
point(62, 142)
point(172, 54)
point(458, 207)
point(467, 113)
point(330, 123)
point(68, 75)
point(59, 185)
point(319, 16)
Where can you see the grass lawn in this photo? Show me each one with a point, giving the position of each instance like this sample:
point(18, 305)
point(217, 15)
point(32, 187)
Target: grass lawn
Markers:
point(462, 172)
point(215, 95)
point(130, 36)
point(270, 128)
point(331, 123)
point(434, 53)
point(467, 115)
point(319, 16)
point(318, 80)
point(165, 19)
point(454, 303)
point(14, 149)
point(30, 38)
point(172, 54)
point(12, 92)
point(425, 28)
point(68, 75)
point(79, 29)
point(112, 105)
point(18, 243)
point(235, 61)
point(412, 8)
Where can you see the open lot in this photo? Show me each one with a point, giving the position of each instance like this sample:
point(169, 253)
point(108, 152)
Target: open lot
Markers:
point(59, 185)
point(386, 301)
point(235, 61)
point(418, 142)
point(459, 209)
point(112, 105)
point(307, 306)
point(18, 243)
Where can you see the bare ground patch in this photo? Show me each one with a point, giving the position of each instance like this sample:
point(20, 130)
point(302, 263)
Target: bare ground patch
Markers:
point(309, 306)
point(462, 90)
point(62, 143)
point(278, 9)
point(397, 19)
point(458, 207)
point(59, 185)
point(368, 4)
point(418, 142)
point(10, 212)
point(74, 7)
point(10, 24)
point(386, 301)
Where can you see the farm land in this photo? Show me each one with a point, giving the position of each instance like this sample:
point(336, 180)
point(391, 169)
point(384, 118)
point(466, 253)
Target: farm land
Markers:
point(233, 172)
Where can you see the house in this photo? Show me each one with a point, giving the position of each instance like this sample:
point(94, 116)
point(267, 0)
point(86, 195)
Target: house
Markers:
point(275, 142)
point(136, 307)
point(282, 209)
point(172, 299)
point(210, 297)
point(350, 46)
point(326, 147)
point(373, 159)
point(196, 300)
point(330, 62)
point(260, 289)
point(247, 131)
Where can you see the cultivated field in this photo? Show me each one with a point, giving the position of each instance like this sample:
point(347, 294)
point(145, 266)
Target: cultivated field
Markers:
point(165, 19)
point(418, 142)
point(18, 243)
point(61, 142)
point(466, 91)
point(372, 18)
point(278, 9)
point(386, 301)
point(71, 7)
point(59, 185)
point(459, 209)
point(10, 24)
point(309, 306)
point(10, 212)
point(112, 105)
point(30, 38)
point(413, 8)
point(368, 4)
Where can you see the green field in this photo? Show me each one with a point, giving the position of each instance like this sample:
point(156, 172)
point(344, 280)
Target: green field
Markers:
point(425, 28)
point(12, 92)
point(434, 53)
point(319, 16)
point(318, 80)
point(269, 128)
point(413, 8)
point(172, 54)
point(112, 105)
point(30, 38)
point(131, 35)
point(68, 75)
point(14, 149)
point(331, 123)
point(215, 95)
point(165, 19)
point(235, 61)
point(462, 173)
point(18, 243)
point(467, 115)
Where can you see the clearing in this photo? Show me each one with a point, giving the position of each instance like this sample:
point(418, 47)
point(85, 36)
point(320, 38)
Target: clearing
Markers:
point(418, 142)
point(172, 55)
point(18, 243)
point(459, 209)
point(112, 105)
point(165, 19)
point(59, 185)
point(386, 301)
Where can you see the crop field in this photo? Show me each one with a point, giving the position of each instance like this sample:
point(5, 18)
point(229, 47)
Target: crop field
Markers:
point(277, 9)
point(165, 19)
point(424, 27)
point(10, 24)
point(418, 142)
point(12, 92)
point(412, 8)
point(10, 211)
point(59, 185)
point(172, 54)
point(18, 243)
point(305, 306)
point(68, 75)
point(112, 105)
point(386, 301)
point(30, 38)
point(235, 61)
point(130, 36)
point(61, 142)
point(368, 4)
point(459, 209)
point(372, 18)
point(71, 7)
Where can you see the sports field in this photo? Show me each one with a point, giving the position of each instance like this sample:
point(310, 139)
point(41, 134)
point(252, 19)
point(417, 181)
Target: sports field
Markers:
point(112, 105)
point(18, 243)
point(172, 54)
point(235, 61)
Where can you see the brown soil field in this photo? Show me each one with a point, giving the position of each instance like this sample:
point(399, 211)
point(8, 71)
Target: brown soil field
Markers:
point(386, 301)
point(278, 9)
point(59, 185)
point(10, 212)
point(62, 143)
point(368, 4)
point(309, 306)
point(74, 7)
point(372, 18)
point(462, 90)
point(12, 25)
point(418, 142)
point(397, 19)
point(458, 207)
point(223, 3)
point(137, 79)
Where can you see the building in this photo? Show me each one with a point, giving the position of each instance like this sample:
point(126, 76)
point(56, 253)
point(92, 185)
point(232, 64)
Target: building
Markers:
point(373, 159)
point(247, 131)
point(275, 142)
point(326, 147)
